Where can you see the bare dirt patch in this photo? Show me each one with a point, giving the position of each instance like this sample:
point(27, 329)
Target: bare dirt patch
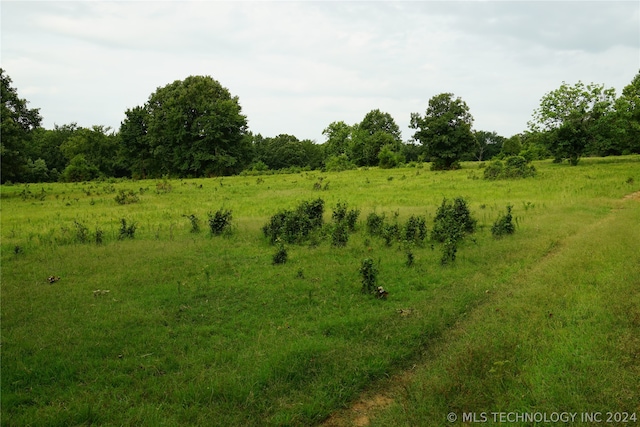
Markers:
point(635, 196)
point(359, 413)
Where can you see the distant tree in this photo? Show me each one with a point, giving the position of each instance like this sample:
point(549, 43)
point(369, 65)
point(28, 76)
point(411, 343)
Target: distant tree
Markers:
point(194, 127)
point(97, 145)
point(285, 151)
point(338, 136)
point(412, 152)
point(376, 130)
point(135, 146)
point(627, 118)
point(79, 169)
point(574, 117)
point(534, 146)
point(46, 144)
point(488, 144)
point(445, 130)
point(314, 153)
point(388, 157)
point(18, 125)
point(376, 121)
point(511, 146)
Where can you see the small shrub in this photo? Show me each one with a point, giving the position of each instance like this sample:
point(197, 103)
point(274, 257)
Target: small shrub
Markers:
point(281, 255)
point(513, 167)
point(375, 223)
point(98, 236)
point(503, 224)
point(82, 232)
point(195, 223)
point(352, 218)
point(164, 186)
point(126, 197)
point(318, 185)
point(339, 212)
point(369, 274)
point(340, 235)
point(126, 231)
point(452, 220)
point(390, 233)
point(415, 229)
point(493, 170)
point(220, 221)
point(339, 163)
point(295, 226)
point(410, 257)
point(449, 250)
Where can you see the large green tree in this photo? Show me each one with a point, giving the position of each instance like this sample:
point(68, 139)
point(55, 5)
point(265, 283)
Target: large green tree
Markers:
point(285, 151)
point(46, 145)
point(191, 127)
point(98, 146)
point(488, 144)
point(338, 137)
point(575, 118)
point(16, 131)
point(445, 130)
point(376, 130)
point(135, 146)
point(627, 118)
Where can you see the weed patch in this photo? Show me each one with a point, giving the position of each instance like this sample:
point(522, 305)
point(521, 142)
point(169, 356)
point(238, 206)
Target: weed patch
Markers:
point(126, 231)
point(220, 221)
point(126, 197)
point(504, 224)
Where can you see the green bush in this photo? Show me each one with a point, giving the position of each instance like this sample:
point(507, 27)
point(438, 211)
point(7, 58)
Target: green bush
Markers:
point(220, 221)
point(281, 255)
point(375, 223)
point(295, 226)
point(340, 235)
point(452, 220)
point(388, 158)
point(415, 229)
point(352, 218)
point(503, 224)
point(126, 231)
point(82, 232)
point(369, 274)
point(339, 163)
point(513, 167)
point(126, 197)
point(195, 223)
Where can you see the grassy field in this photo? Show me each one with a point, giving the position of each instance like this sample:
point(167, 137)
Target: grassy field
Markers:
point(174, 327)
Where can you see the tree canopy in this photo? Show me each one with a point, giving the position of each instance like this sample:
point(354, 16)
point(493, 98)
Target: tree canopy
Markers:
point(18, 125)
point(573, 117)
point(195, 128)
point(445, 130)
point(191, 127)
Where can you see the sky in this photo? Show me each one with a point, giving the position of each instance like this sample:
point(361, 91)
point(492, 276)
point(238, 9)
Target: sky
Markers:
point(298, 66)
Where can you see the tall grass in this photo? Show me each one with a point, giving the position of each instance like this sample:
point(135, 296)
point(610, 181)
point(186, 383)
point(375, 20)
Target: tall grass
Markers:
point(198, 329)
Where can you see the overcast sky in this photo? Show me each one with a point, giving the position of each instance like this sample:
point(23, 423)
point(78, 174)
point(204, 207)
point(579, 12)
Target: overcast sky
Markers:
point(298, 66)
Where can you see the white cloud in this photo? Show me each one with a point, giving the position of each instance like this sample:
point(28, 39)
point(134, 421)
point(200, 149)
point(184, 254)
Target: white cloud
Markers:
point(297, 66)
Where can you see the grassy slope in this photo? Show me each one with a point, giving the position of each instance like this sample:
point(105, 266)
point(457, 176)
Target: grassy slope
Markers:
point(562, 336)
point(205, 331)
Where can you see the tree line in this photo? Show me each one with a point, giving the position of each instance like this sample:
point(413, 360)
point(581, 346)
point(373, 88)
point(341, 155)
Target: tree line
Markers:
point(195, 128)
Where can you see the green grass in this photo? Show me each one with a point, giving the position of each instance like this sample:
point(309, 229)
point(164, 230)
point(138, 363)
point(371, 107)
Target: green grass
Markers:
point(202, 330)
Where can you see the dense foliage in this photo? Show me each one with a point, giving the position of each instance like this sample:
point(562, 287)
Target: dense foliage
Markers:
point(195, 128)
point(445, 130)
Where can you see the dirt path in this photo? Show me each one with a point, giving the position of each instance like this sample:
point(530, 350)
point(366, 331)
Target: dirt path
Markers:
point(360, 413)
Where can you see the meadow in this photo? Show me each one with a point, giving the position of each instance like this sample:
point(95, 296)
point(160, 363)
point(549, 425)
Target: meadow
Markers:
point(181, 327)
